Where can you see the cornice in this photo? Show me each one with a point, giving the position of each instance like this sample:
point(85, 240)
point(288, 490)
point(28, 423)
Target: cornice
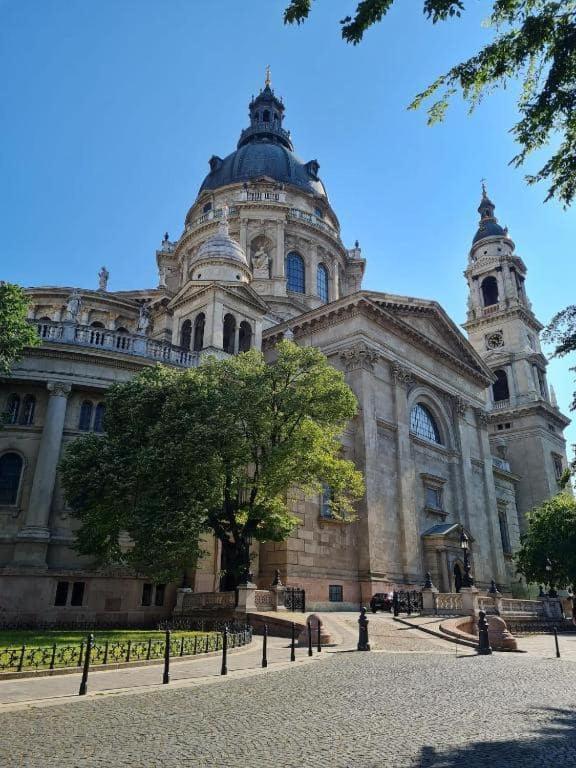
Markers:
point(525, 408)
point(525, 315)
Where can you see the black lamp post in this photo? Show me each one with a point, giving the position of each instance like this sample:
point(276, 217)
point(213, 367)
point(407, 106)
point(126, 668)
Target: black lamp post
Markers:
point(551, 592)
point(467, 580)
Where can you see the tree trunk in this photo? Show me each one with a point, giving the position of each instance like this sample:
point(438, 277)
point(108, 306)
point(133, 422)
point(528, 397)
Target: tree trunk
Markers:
point(235, 563)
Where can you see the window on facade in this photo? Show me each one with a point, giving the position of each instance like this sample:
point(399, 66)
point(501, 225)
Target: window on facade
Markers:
point(322, 282)
point(146, 594)
point(433, 497)
point(85, 420)
point(295, 272)
point(186, 334)
point(160, 593)
point(244, 336)
point(500, 390)
point(77, 593)
point(99, 417)
point(199, 324)
point(28, 408)
point(229, 333)
point(490, 291)
point(335, 593)
point(541, 381)
point(207, 208)
point(318, 212)
point(423, 424)
point(11, 465)
point(325, 502)
point(504, 533)
point(558, 466)
point(61, 596)
point(12, 409)
point(266, 116)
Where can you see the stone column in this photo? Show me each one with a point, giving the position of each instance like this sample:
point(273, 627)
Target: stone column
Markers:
point(460, 409)
point(243, 236)
point(411, 545)
point(310, 267)
point(278, 264)
point(33, 538)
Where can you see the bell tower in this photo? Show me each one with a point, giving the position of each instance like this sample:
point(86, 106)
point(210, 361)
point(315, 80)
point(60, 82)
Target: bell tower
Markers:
point(526, 426)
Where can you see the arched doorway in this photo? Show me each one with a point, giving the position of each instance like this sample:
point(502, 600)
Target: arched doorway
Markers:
point(457, 578)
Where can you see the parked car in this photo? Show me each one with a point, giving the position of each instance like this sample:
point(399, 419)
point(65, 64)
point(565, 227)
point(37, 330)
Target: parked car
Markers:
point(381, 601)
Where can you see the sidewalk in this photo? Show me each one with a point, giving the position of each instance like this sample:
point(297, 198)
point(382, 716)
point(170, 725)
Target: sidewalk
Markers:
point(197, 670)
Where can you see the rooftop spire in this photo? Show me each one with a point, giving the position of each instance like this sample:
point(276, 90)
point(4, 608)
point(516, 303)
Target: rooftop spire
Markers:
point(488, 226)
point(267, 80)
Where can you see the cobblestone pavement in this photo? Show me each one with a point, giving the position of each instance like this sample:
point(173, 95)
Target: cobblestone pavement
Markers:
point(349, 710)
point(543, 645)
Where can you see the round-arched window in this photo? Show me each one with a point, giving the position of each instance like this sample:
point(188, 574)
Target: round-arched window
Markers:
point(423, 424)
point(322, 282)
point(295, 272)
point(186, 334)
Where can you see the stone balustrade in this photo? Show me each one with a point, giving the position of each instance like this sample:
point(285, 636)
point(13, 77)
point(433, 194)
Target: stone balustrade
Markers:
point(264, 600)
point(116, 341)
point(448, 604)
point(310, 218)
point(190, 601)
point(263, 196)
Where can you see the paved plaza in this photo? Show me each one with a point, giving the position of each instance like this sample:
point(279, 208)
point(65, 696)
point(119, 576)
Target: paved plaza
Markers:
point(422, 703)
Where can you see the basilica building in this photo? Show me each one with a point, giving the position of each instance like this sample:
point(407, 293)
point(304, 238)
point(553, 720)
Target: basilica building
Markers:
point(454, 433)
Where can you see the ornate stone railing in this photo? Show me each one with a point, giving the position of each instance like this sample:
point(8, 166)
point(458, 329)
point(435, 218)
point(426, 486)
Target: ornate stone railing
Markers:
point(487, 604)
point(211, 215)
point(263, 196)
point(448, 604)
point(310, 218)
point(116, 341)
point(491, 309)
point(501, 464)
point(511, 606)
point(190, 601)
point(500, 405)
point(264, 600)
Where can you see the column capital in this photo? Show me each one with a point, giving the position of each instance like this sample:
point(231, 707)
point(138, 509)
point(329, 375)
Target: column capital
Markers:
point(359, 356)
point(481, 416)
point(458, 403)
point(401, 375)
point(59, 389)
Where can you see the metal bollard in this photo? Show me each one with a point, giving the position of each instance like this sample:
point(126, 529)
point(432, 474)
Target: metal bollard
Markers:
point(483, 641)
point(556, 642)
point(224, 668)
point(105, 653)
point(363, 644)
point(408, 605)
point(395, 603)
point(53, 658)
point(166, 675)
point(265, 646)
point(319, 644)
point(293, 643)
point(309, 638)
point(84, 681)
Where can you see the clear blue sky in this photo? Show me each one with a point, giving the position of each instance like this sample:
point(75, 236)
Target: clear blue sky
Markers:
point(110, 110)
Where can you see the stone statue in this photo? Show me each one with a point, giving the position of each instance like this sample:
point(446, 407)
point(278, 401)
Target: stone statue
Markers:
point(73, 306)
point(261, 263)
point(143, 319)
point(103, 276)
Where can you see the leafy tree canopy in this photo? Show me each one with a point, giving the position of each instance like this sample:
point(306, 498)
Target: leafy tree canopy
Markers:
point(15, 332)
point(534, 41)
point(561, 332)
point(550, 540)
point(215, 449)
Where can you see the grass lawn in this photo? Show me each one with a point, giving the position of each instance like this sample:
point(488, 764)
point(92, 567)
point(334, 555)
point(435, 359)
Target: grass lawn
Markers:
point(32, 638)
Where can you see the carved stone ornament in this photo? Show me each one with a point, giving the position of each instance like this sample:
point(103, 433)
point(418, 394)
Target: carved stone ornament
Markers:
point(59, 389)
point(481, 416)
point(359, 356)
point(401, 375)
point(460, 405)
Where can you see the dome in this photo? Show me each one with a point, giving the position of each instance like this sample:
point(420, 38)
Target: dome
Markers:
point(221, 246)
point(488, 225)
point(264, 158)
point(264, 149)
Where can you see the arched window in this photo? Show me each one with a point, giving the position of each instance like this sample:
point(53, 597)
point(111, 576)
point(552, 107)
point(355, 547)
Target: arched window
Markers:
point(10, 472)
point(229, 333)
point(500, 390)
point(490, 291)
point(207, 208)
point(295, 272)
point(44, 326)
point(423, 424)
point(12, 409)
point(266, 116)
point(97, 335)
point(85, 420)
point(99, 418)
point(322, 282)
point(186, 334)
point(199, 324)
point(244, 336)
point(28, 408)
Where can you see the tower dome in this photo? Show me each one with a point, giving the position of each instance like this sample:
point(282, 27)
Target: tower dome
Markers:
point(264, 149)
point(488, 226)
point(220, 257)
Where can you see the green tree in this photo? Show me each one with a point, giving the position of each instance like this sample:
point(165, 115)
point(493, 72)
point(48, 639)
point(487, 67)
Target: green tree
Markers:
point(534, 41)
point(550, 541)
point(216, 449)
point(15, 332)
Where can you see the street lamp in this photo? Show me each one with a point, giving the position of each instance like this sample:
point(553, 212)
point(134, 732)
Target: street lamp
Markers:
point(467, 581)
point(551, 592)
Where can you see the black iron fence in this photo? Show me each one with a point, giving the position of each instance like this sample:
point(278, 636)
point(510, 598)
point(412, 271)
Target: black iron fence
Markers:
point(407, 601)
point(295, 599)
point(105, 652)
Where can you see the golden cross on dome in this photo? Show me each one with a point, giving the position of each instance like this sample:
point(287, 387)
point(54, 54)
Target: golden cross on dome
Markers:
point(267, 80)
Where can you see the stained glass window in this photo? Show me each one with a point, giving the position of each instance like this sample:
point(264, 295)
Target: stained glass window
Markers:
point(322, 282)
point(422, 424)
point(295, 272)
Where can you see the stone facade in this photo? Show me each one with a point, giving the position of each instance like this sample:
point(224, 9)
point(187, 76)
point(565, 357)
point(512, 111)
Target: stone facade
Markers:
point(260, 259)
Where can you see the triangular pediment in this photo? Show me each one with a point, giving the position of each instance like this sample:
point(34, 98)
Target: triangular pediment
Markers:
point(194, 289)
